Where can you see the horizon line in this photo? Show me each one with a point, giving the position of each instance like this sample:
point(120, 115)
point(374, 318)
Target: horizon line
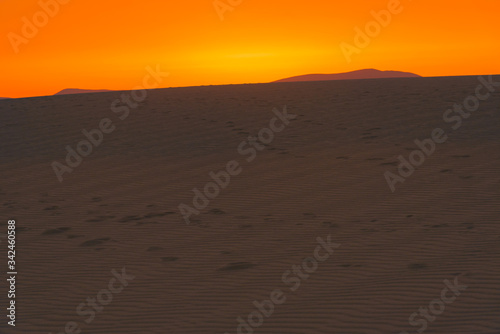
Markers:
point(107, 90)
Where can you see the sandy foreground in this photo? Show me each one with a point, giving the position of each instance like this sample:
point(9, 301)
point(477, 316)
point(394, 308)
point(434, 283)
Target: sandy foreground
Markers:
point(391, 256)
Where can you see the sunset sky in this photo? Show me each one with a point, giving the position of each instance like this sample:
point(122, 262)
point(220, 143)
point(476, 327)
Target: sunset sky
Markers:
point(108, 44)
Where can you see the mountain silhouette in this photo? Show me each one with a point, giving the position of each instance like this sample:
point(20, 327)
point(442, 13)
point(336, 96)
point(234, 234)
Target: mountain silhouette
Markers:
point(80, 91)
point(360, 74)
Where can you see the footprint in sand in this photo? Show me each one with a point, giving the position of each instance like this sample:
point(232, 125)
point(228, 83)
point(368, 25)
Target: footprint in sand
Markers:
point(56, 230)
point(129, 219)
point(94, 242)
point(439, 225)
point(217, 212)
point(417, 266)
point(161, 214)
point(330, 224)
point(9, 204)
point(469, 226)
point(23, 229)
point(99, 219)
point(237, 266)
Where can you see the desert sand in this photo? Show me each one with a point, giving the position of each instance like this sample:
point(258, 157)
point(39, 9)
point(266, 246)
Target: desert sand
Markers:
point(322, 175)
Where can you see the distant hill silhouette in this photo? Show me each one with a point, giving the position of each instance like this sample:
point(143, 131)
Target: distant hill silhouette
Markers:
point(360, 74)
point(80, 91)
point(4, 98)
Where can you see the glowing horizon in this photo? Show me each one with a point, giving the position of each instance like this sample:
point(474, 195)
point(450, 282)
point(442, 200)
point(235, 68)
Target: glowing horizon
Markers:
point(94, 45)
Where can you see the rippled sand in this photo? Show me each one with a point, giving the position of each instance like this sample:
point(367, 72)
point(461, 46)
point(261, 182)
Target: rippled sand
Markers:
point(322, 175)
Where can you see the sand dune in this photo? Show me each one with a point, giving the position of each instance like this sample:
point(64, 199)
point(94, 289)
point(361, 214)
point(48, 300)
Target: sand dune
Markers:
point(322, 175)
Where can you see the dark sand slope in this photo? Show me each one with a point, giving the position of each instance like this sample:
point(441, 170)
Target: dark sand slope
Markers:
point(322, 175)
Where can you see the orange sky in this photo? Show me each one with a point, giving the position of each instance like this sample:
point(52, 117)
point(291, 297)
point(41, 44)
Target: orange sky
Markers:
point(107, 44)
